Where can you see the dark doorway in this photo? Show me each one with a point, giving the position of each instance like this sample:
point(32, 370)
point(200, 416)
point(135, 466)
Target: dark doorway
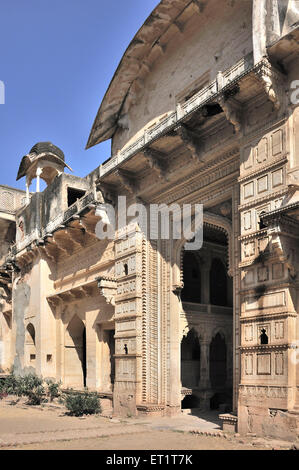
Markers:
point(190, 360)
point(218, 362)
point(218, 283)
point(192, 279)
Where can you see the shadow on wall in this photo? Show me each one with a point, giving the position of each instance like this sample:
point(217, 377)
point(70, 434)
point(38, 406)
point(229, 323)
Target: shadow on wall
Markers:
point(21, 299)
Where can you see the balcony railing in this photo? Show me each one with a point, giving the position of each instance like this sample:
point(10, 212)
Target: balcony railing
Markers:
point(223, 80)
point(36, 234)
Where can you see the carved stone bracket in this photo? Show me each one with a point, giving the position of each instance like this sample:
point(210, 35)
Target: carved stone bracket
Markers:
point(69, 295)
point(232, 111)
point(128, 180)
point(155, 161)
point(177, 290)
point(107, 288)
point(190, 139)
point(272, 82)
point(108, 192)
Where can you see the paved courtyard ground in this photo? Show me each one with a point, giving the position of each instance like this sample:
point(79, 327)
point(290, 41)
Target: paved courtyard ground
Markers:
point(47, 427)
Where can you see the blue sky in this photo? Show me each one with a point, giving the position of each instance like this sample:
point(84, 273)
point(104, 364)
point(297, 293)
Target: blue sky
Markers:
point(57, 58)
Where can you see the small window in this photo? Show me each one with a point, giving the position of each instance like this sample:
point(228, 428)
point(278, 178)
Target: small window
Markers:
point(49, 357)
point(126, 269)
point(73, 195)
point(261, 223)
point(264, 337)
point(32, 357)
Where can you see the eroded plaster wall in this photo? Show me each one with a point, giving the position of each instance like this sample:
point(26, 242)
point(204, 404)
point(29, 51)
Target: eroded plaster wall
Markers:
point(179, 66)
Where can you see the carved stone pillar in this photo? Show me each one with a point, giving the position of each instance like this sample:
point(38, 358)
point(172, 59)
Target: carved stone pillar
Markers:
point(205, 365)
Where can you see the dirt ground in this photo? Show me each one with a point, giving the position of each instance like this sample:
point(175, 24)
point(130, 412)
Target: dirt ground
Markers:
point(47, 427)
point(147, 440)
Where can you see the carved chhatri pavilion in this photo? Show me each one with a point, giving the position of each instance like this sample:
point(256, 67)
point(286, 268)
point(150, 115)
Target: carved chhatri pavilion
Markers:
point(202, 109)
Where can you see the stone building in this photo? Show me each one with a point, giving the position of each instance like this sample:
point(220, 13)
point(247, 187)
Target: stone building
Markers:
point(202, 109)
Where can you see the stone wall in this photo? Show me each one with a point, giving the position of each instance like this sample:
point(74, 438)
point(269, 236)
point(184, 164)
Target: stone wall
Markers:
point(178, 68)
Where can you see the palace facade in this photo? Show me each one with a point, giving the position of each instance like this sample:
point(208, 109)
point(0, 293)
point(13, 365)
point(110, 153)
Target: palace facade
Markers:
point(202, 109)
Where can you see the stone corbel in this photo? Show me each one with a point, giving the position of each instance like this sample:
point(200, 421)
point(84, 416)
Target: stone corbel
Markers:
point(177, 289)
point(107, 192)
point(107, 287)
point(272, 82)
point(128, 180)
point(190, 140)
point(232, 111)
point(155, 161)
point(54, 302)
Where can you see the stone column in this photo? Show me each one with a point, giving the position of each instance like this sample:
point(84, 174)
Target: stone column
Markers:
point(27, 190)
point(229, 364)
point(38, 173)
point(259, 29)
point(204, 365)
point(204, 384)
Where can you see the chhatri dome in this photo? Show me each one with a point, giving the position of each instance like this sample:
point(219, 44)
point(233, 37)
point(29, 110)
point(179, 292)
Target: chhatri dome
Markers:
point(45, 161)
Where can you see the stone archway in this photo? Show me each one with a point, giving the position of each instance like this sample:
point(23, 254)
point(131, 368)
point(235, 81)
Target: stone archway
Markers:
point(75, 353)
point(201, 311)
point(218, 361)
point(30, 346)
point(190, 360)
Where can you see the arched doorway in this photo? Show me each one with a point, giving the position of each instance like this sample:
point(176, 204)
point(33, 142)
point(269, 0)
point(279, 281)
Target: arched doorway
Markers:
point(190, 360)
point(206, 305)
point(30, 347)
point(75, 353)
point(218, 371)
point(190, 368)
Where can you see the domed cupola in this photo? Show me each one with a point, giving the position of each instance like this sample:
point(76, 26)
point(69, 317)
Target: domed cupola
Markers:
point(45, 161)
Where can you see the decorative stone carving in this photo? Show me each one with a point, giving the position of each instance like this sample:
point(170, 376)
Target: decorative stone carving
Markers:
point(190, 139)
point(155, 161)
point(128, 180)
point(107, 288)
point(272, 82)
point(232, 111)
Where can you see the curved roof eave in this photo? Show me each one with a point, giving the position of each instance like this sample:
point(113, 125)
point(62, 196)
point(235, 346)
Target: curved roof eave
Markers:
point(130, 65)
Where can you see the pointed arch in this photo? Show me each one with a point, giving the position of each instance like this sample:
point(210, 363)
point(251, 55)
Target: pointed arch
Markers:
point(75, 353)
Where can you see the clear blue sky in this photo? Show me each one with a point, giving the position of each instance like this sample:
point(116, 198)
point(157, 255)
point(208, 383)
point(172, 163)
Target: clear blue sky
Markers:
point(57, 58)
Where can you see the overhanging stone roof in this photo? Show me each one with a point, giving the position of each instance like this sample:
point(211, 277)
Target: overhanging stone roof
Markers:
point(38, 151)
point(133, 60)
